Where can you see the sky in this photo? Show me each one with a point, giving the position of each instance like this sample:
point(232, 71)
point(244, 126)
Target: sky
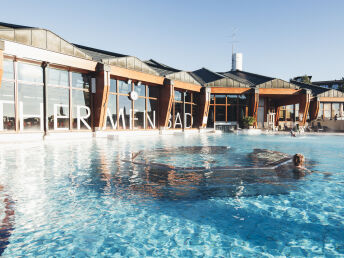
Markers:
point(278, 38)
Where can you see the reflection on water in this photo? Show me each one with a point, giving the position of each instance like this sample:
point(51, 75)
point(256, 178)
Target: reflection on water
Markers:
point(153, 173)
point(7, 223)
point(108, 197)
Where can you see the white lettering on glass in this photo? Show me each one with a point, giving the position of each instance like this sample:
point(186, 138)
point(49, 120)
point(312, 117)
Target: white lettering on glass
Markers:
point(152, 124)
point(178, 121)
point(82, 118)
point(108, 115)
point(191, 120)
point(58, 116)
point(121, 115)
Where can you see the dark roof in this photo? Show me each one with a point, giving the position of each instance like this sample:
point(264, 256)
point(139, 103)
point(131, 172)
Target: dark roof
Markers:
point(204, 76)
point(4, 25)
point(237, 78)
point(316, 90)
point(328, 82)
point(162, 69)
point(253, 78)
point(98, 54)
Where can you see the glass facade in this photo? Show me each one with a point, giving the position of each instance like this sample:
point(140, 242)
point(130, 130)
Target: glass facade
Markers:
point(289, 113)
point(330, 110)
point(81, 111)
point(69, 102)
point(139, 113)
point(7, 101)
point(7, 107)
point(125, 113)
point(184, 104)
point(60, 92)
point(30, 97)
point(58, 108)
point(81, 101)
point(227, 108)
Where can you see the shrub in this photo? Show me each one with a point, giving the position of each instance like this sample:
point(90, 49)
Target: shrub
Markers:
point(248, 121)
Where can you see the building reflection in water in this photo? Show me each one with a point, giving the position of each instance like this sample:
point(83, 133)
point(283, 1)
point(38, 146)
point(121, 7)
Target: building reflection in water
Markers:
point(140, 176)
point(7, 223)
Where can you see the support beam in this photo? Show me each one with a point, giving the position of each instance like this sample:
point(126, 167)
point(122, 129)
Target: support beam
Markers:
point(314, 108)
point(254, 99)
point(331, 99)
point(203, 107)
point(136, 75)
point(304, 107)
point(187, 86)
point(166, 98)
point(101, 98)
point(224, 90)
point(277, 115)
point(279, 91)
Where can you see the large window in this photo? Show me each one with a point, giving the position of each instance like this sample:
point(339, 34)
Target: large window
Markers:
point(7, 107)
point(65, 88)
point(58, 99)
point(227, 108)
point(68, 100)
point(30, 97)
point(330, 110)
point(81, 101)
point(124, 113)
point(181, 100)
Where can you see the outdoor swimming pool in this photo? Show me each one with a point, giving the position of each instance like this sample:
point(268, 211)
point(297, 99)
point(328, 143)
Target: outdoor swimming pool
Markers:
point(80, 198)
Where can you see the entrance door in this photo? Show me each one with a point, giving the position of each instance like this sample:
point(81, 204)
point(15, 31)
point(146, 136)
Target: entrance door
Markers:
point(260, 115)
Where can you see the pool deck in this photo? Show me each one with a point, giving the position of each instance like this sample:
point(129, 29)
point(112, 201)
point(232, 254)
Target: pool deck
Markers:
point(39, 136)
point(305, 133)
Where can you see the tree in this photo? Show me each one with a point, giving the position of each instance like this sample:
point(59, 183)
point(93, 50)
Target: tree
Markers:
point(306, 79)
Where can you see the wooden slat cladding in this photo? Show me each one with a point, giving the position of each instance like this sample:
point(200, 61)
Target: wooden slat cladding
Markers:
point(101, 98)
point(203, 107)
point(314, 106)
point(165, 103)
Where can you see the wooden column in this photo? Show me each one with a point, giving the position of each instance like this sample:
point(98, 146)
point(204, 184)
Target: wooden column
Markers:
point(305, 99)
point(277, 115)
point(253, 109)
point(2, 46)
point(314, 106)
point(203, 107)
point(102, 95)
point(166, 97)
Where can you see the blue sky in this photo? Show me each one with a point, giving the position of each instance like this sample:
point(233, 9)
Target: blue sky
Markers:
point(277, 38)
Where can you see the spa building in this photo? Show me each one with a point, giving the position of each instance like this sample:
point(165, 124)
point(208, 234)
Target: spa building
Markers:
point(49, 86)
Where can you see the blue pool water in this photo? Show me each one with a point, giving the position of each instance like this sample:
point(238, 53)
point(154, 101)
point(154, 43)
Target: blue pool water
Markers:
point(82, 199)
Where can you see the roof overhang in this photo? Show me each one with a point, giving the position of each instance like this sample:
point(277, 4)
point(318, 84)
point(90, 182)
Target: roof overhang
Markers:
point(229, 90)
point(37, 54)
point(278, 91)
point(331, 99)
